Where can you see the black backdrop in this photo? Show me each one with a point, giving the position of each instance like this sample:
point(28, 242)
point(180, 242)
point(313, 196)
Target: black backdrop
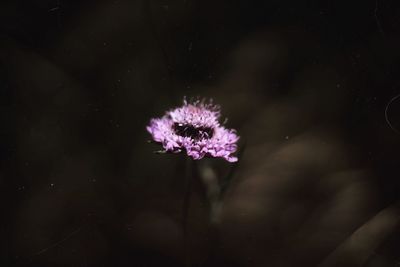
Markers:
point(310, 86)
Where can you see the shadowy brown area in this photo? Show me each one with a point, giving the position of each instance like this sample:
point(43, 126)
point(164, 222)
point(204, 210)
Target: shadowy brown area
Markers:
point(311, 88)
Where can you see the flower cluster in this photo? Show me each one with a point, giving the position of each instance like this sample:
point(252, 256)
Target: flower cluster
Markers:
point(194, 128)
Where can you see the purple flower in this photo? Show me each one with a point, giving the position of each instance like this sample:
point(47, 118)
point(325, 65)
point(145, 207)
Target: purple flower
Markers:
point(194, 128)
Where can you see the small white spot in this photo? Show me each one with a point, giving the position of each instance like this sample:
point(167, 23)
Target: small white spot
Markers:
point(287, 137)
point(54, 9)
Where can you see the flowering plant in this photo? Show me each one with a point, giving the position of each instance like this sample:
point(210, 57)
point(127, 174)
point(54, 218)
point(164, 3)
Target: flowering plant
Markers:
point(195, 128)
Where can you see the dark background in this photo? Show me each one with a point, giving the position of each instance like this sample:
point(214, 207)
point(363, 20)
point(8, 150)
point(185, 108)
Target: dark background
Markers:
point(310, 86)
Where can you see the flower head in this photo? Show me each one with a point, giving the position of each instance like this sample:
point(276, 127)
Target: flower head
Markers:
point(195, 128)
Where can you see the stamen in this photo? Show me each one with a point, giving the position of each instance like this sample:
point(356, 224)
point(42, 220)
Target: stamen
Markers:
point(193, 132)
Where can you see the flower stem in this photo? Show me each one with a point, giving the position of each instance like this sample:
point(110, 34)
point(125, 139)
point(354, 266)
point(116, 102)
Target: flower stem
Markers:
point(190, 174)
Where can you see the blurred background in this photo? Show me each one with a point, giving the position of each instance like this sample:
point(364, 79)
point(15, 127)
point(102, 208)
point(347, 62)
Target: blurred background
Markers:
point(310, 86)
